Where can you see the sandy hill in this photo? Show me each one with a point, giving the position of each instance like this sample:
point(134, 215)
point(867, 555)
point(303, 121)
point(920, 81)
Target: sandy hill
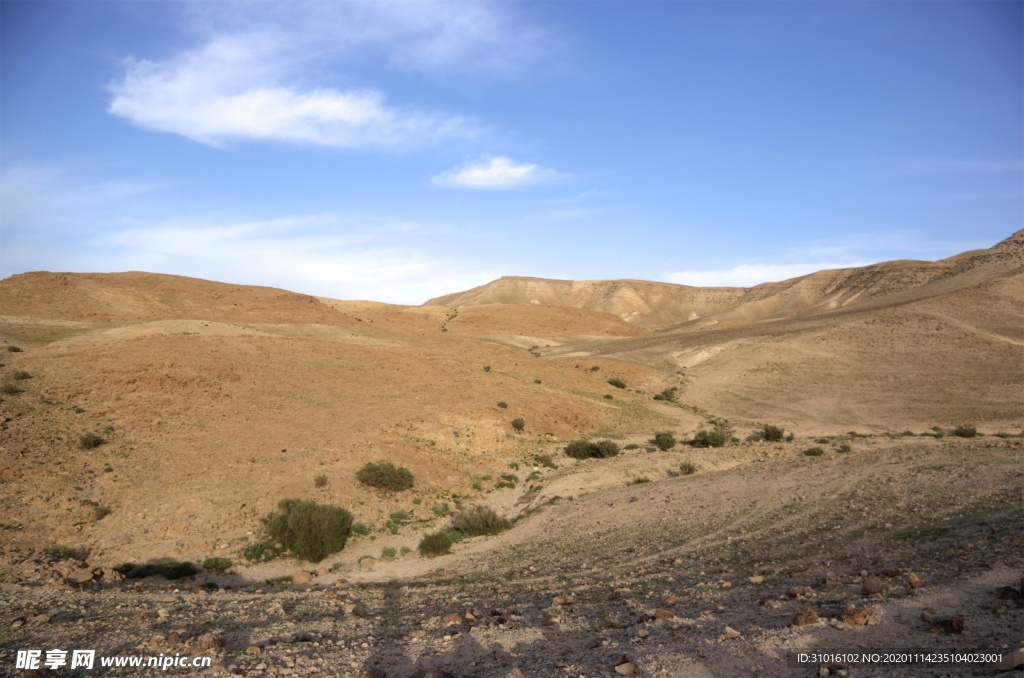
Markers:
point(135, 296)
point(660, 305)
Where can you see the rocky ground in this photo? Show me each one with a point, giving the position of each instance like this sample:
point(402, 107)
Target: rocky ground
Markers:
point(895, 545)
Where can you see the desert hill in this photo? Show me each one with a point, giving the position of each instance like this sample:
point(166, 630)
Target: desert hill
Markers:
point(661, 305)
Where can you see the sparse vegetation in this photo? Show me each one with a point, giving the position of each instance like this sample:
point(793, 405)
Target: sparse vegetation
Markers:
point(586, 449)
point(594, 368)
point(814, 452)
point(617, 383)
point(13, 349)
point(518, 424)
point(100, 512)
point(546, 460)
point(664, 440)
point(360, 528)
point(309, 530)
point(479, 520)
point(10, 388)
point(385, 476)
point(487, 368)
point(965, 431)
point(388, 553)
point(536, 381)
point(20, 375)
point(441, 510)
point(609, 396)
point(63, 552)
point(435, 544)
point(631, 446)
point(502, 404)
point(217, 564)
point(669, 394)
point(687, 468)
point(88, 441)
point(845, 447)
point(261, 552)
point(772, 433)
point(641, 480)
point(716, 437)
point(320, 480)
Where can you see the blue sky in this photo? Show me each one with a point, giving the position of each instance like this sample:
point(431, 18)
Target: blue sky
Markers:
point(401, 150)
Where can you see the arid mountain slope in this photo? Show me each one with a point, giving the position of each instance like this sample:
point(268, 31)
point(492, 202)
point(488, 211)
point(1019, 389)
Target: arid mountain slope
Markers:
point(661, 305)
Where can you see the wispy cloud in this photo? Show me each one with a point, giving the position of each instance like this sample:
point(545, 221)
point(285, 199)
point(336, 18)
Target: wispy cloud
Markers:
point(749, 275)
point(258, 72)
point(494, 173)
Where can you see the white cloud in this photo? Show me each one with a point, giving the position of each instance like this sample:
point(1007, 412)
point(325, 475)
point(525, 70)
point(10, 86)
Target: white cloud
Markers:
point(749, 275)
point(259, 72)
point(494, 173)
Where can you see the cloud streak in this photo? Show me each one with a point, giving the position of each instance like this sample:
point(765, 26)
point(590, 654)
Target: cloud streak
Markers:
point(497, 173)
point(259, 72)
point(749, 275)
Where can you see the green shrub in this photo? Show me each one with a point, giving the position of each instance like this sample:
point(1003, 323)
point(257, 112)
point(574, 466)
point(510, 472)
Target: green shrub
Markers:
point(88, 441)
point(405, 550)
point(385, 476)
point(478, 486)
point(478, 520)
point(435, 544)
point(664, 440)
point(503, 405)
point(20, 375)
point(320, 480)
point(514, 465)
point(388, 553)
point(669, 394)
point(790, 437)
point(965, 431)
point(687, 469)
point(510, 477)
point(845, 447)
point(487, 368)
point(536, 381)
point(594, 368)
point(217, 564)
point(534, 475)
point(641, 480)
point(10, 388)
point(309, 530)
point(546, 460)
point(518, 424)
point(63, 552)
point(262, 553)
point(100, 512)
point(814, 452)
point(772, 434)
point(609, 396)
point(716, 437)
point(14, 349)
point(586, 449)
point(617, 383)
point(441, 510)
point(360, 528)
point(631, 446)
point(400, 518)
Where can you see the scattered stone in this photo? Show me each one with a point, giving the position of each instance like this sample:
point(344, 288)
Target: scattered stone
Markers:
point(663, 614)
point(372, 673)
point(623, 666)
point(798, 591)
point(771, 603)
point(669, 600)
point(756, 579)
point(210, 642)
point(642, 633)
point(927, 614)
point(858, 617)
point(730, 633)
point(563, 599)
point(552, 620)
point(1009, 593)
point(1010, 661)
point(452, 618)
point(914, 581)
point(804, 618)
point(873, 587)
point(253, 649)
point(301, 576)
point(947, 625)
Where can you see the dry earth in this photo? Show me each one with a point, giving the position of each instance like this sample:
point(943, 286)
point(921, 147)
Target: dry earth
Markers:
point(216, 401)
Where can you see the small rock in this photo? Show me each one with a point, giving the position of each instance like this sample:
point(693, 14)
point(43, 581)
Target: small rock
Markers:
point(730, 632)
point(771, 603)
point(797, 591)
point(452, 618)
point(563, 599)
point(804, 617)
point(372, 673)
point(756, 579)
point(625, 669)
point(253, 649)
point(914, 581)
point(927, 614)
point(663, 614)
point(873, 586)
point(858, 617)
point(669, 600)
point(1010, 660)
point(301, 576)
point(210, 642)
point(172, 639)
point(552, 620)
point(643, 633)
point(947, 625)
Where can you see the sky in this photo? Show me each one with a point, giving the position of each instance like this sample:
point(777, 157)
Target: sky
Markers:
point(397, 150)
